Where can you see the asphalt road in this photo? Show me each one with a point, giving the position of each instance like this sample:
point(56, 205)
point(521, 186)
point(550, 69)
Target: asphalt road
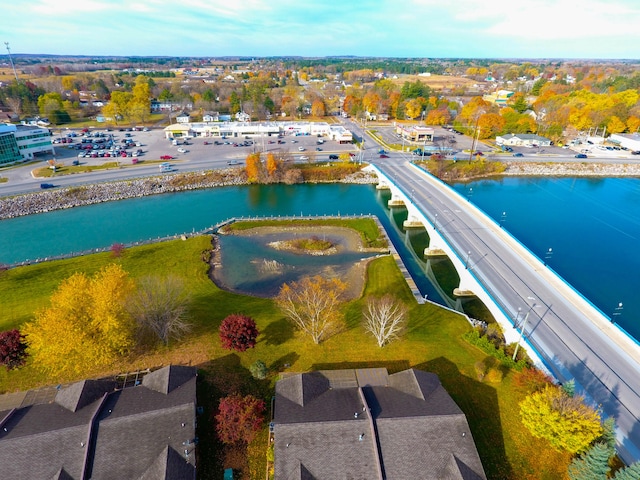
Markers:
point(571, 337)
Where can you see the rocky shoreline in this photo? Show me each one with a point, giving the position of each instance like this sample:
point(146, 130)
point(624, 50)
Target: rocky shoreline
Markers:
point(69, 197)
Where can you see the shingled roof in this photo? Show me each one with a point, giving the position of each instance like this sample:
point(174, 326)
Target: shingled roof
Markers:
point(93, 431)
point(366, 424)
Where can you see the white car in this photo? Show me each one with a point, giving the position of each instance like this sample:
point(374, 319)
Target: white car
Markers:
point(304, 158)
point(302, 149)
point(182, 150)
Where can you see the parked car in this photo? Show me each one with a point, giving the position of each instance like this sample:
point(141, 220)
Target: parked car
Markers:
point(166, 157)
point(383, 155)
point(581, 155)
point(182, 150)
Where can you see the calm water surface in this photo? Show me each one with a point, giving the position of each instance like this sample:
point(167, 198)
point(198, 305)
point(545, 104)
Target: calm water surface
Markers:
point(591, 225)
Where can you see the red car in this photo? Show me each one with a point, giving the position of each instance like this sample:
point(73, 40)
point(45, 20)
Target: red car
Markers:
point(384, 156)
point(166, 157)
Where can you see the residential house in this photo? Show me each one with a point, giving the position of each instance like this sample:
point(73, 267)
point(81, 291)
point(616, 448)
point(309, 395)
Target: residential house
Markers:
point(211, 117)
point(101, 430)
point(183, 117)
point(367, 424)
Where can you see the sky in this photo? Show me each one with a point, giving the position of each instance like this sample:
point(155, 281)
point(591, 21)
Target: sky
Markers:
point(591, 29)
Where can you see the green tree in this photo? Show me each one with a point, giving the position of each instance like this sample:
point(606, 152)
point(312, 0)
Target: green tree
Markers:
point(565, 421)
point(591, 465)
point(234, 102)
point(632, 472)
point(86, 325)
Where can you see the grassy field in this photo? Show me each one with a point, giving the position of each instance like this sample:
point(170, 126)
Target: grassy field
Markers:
point(432, 342)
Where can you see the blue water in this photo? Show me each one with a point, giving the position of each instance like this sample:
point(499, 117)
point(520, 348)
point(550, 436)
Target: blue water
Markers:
point(591, 225)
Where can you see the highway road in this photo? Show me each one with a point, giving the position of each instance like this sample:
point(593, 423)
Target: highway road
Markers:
point(573, 339)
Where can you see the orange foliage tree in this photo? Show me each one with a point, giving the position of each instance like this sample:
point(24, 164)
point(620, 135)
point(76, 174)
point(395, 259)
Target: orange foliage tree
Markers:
point(254, 168)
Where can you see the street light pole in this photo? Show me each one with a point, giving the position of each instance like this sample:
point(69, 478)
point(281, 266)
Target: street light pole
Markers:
point(524, 326)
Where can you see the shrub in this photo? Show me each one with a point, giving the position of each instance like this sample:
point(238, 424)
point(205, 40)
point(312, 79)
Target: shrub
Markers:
point(481, 370)
point(531, 379)
point(238, 332)
point(484, 344)
point(258, 370)
point(494, 375)
point(239, 418)
point(13, 349)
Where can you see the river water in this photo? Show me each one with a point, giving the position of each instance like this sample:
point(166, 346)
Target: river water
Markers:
point(591, 225)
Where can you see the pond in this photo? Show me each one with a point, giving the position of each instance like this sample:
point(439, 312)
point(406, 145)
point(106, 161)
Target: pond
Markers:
point(259, 261)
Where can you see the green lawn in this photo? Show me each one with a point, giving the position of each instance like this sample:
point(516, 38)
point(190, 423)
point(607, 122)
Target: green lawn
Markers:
point(432, 342)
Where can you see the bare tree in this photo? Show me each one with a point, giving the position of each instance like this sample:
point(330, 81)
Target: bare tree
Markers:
point(160, 305)
point(312, 304)
point(385, 318)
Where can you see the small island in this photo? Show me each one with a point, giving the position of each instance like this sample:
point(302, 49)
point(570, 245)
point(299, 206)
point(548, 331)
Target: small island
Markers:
point(310, 246)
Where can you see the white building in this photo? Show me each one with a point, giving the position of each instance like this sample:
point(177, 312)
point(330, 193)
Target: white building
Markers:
point(19, 143)
point(630, 141)
point(257, 129)
point(523, 139)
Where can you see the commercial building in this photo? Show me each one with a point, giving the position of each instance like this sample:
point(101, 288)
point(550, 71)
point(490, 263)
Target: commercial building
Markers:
point(523, 140)
point(257, 129)
point(22, 142)
point(415, 133)
point(368, 424)
point(630, 141)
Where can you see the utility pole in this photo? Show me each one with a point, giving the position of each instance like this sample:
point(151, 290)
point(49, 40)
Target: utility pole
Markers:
point(524, 325)
point(11, 61)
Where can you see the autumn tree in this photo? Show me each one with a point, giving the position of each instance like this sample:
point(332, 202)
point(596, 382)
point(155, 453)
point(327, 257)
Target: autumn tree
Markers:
point(86, 325)
point(566, 422)
point(385, 318)
point(317, 108)
point(254, 168)
point(239, 418)
point(413, 108)
point(238, 332)
point(160, 306)
point(117, 249)
point(13, 349)
point(312, 304)
point(273, 166)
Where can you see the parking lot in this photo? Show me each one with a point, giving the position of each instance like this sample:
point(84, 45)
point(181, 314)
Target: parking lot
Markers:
point(130, 146)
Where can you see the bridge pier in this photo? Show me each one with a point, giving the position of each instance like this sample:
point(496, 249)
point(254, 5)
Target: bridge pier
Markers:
point(396, 200)
point(412, 222)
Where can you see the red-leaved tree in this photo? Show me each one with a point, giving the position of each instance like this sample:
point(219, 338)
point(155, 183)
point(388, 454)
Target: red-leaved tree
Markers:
point(239, 418)
point(238, 332)
point(13, 349)
point(117, 249)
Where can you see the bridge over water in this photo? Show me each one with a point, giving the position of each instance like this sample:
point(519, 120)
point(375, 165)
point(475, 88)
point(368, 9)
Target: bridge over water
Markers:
point(562, 330)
